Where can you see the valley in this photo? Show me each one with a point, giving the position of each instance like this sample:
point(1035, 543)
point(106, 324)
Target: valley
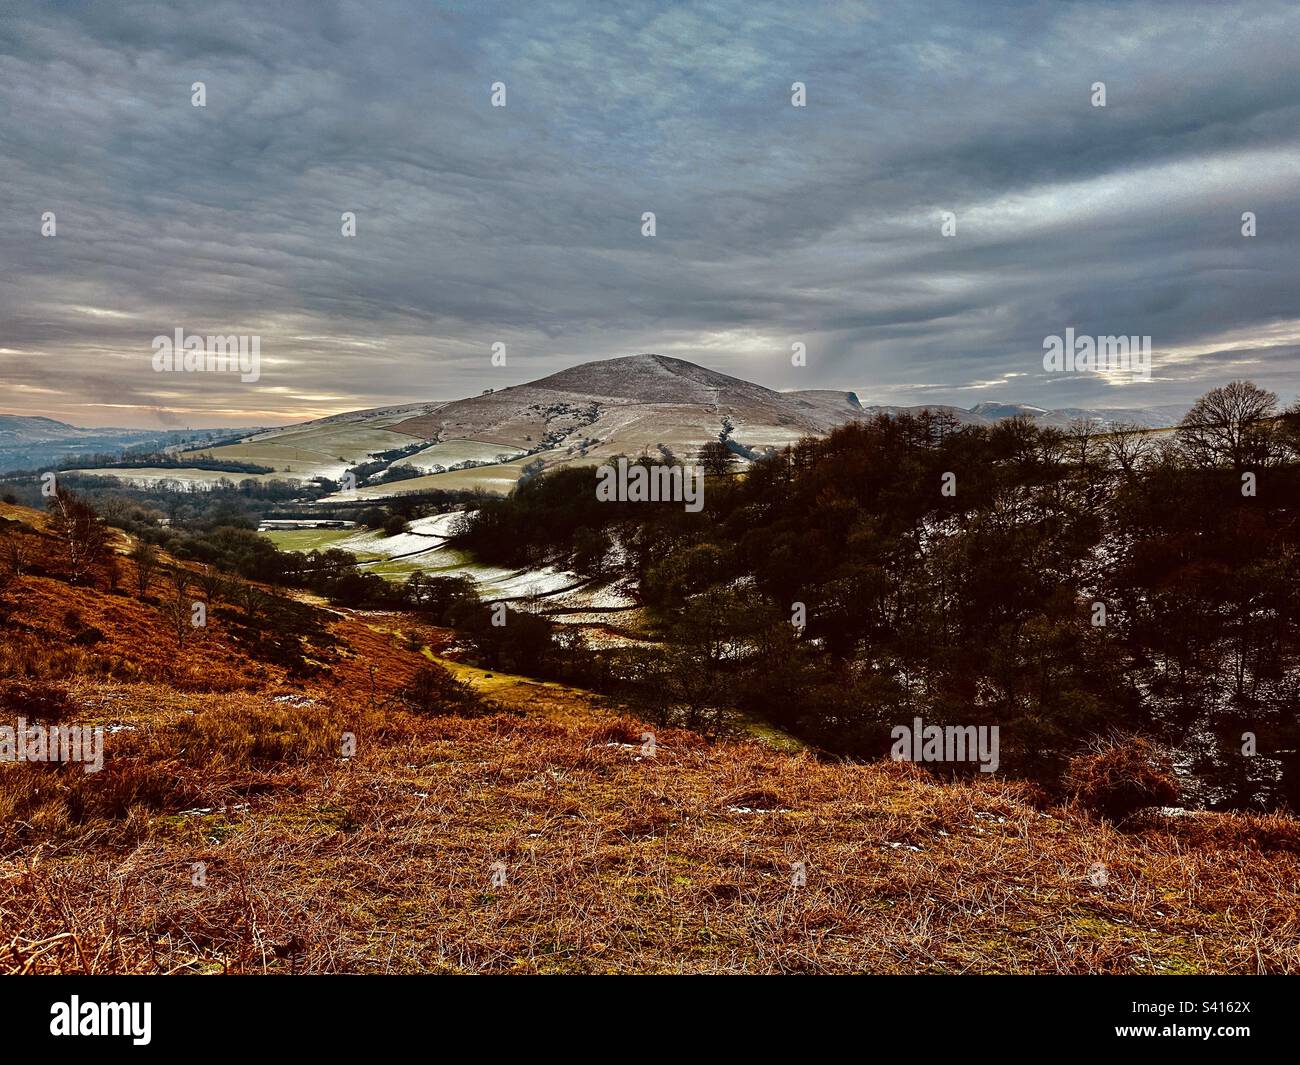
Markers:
point(478, 715)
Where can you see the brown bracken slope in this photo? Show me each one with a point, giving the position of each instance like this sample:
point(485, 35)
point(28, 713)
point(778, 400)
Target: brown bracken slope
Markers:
point(228, 832)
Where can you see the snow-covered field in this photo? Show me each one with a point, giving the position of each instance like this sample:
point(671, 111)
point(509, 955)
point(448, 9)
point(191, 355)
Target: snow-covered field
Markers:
point(146, 476)
point(606, 613)
point(376, 543)
point(499, 479)
point(449, 452)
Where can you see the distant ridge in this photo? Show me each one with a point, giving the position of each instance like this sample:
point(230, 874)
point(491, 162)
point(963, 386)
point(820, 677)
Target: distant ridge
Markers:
point(657, 380)
point(643, 404)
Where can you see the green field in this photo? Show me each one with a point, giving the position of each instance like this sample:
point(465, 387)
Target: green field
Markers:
point(318, 451)
point(307, 539)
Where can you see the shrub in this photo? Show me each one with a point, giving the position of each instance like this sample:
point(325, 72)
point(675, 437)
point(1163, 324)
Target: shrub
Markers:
point(35, 699)
point(89, 636)
point(1122, 776)
point(433, 690)
point(622, 730)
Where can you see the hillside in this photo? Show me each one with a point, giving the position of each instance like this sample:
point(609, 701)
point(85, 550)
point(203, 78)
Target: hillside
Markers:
point(629, 403)
point(532, 833)
point(16, 429)
point(1157, 417)
point(31, 442)
point(583, 415)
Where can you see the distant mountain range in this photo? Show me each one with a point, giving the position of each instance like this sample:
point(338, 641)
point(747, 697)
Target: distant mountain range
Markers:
point(1157, 417)
point(29, 442)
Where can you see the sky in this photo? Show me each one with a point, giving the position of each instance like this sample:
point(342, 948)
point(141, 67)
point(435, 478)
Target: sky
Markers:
point(522, 225)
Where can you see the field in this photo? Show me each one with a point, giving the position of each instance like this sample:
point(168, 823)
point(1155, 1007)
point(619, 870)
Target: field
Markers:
point(449, 452)
point(306, 539)
point(148, 475)
point(423, 550)
point(315, 451)
point(499, 479)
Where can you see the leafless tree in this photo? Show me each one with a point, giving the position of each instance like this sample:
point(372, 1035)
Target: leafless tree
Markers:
point(1231, 426)
point(80, 532)
point(113, 508)
point(1288, 429)
point(1127, 444)
point(212, 583)
point(14, 552)
point(717, 458)
point(145, 557)
point(249, 597)
point(177, 607)
point(1085, 444)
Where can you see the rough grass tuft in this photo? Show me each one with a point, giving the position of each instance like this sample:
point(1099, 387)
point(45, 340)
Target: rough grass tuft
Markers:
point(1121, 777)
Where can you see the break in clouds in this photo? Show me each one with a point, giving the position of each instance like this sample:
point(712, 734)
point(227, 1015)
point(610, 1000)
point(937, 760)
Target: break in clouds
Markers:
point(522, 224)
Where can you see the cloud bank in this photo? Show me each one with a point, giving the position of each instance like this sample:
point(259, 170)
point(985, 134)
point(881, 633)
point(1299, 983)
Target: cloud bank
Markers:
point(523, 224)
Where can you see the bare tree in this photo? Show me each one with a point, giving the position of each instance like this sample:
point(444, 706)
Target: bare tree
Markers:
point(14, 553)
point(145, 557)
point(177, 607)
point(1127, 444)
point(80, 532)
point(113, 508)
point(1231, 426)
point(1085, 443)
point(1288, 429)
point(112, 570)
point(250, 597)
point(11, 571)
point(717, 458)
point(212, 583)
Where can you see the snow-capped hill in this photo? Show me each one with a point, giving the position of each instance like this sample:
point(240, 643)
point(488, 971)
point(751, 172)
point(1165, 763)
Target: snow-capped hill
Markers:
point(998, 411)
point(630, 403)
point(651, 379)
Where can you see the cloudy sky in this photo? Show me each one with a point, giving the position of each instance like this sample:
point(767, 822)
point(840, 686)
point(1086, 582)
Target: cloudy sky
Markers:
point(522, 224)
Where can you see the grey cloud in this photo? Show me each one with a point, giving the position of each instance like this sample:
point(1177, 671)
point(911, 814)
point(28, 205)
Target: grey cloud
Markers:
point(522, 224)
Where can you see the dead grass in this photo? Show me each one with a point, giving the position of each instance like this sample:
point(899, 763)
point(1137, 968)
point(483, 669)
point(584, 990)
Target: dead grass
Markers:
point(613, 862)
point(543, 838)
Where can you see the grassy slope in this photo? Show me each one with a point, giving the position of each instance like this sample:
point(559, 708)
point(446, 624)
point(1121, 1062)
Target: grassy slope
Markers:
point(307, 539)
point(614, 862)
point(497, 478)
